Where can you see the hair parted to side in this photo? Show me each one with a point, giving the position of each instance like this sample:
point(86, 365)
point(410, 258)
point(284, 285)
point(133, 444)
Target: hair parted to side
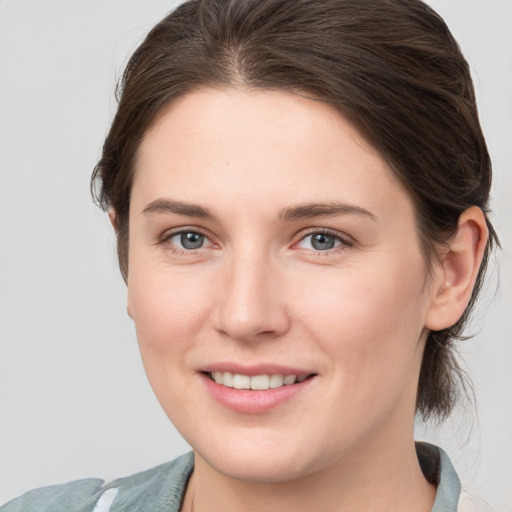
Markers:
point(390, 66)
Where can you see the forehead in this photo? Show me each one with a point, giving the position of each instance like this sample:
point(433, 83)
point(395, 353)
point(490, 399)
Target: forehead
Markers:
point(234, 114)
point(260, 145)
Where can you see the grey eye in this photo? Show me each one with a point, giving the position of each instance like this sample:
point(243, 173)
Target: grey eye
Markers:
point(189, 240)
point(192, 240)
point(320, 241)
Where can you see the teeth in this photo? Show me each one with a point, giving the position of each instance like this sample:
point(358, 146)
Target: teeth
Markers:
point(276, 381)
point(290, 379)
point(227, 379)
point(260, 382)
point(241, 381)
point(257, 382)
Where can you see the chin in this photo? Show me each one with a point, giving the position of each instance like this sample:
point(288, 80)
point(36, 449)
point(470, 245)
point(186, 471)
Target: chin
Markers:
point(264, 469)
point(258, 462)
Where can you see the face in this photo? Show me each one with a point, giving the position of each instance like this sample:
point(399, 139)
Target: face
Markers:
point(272, 248)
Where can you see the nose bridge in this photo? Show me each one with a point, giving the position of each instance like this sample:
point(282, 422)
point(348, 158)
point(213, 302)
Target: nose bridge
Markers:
point(249, 305)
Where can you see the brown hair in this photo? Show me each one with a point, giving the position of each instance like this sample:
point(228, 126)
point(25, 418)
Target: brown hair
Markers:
point(391, 66)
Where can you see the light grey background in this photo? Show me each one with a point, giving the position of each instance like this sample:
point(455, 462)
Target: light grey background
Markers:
point(74, 401)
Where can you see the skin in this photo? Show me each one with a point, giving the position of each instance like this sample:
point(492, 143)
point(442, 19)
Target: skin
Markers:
point(258, 292)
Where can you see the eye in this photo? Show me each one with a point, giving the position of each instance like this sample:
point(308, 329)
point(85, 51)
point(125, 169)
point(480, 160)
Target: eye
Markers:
point(188, 240)
point(321, 241)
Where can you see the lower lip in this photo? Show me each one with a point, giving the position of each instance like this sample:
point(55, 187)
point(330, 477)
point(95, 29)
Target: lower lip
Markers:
point(249, 401)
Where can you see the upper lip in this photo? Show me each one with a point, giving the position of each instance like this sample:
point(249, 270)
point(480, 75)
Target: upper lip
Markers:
point(256, 369)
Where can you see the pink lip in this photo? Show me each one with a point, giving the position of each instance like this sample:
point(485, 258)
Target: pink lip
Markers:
point(248, 401)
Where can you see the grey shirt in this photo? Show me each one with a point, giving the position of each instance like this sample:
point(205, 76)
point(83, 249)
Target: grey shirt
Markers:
point(161, 489)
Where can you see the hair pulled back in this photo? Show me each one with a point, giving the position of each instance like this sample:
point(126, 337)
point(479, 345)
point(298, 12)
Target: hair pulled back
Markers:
point(390, 66)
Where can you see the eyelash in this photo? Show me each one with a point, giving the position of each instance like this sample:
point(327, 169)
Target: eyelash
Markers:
point(343, 241)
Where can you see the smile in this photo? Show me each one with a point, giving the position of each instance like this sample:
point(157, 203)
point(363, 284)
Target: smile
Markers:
point(255, 382)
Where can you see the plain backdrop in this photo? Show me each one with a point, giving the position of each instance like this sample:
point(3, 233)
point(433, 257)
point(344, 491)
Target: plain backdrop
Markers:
point(74, 401)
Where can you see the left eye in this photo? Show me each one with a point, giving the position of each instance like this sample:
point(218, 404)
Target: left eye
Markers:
point(188, 240)
point(320, 241)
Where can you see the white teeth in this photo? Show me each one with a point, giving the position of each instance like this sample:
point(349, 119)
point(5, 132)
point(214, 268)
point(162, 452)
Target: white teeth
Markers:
point(228, 379)
point(260, 382)
point(257, 382)
point(241, 381)
point(276, 381)
point(290, 379)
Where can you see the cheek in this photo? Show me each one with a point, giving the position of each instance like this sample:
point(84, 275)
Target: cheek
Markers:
point(369, 323)
point(168, 309)
point(169, 313)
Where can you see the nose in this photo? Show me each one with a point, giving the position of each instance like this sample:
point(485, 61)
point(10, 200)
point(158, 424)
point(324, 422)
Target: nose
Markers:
point(250, 305)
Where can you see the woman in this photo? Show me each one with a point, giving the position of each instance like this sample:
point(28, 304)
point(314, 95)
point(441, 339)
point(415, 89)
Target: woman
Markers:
point(299, 192)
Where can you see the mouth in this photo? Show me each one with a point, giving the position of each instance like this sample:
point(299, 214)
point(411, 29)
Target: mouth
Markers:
point(251, 390)
point(256, 382)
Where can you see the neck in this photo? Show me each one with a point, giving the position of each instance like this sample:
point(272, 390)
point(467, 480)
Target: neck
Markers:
point(371, 479)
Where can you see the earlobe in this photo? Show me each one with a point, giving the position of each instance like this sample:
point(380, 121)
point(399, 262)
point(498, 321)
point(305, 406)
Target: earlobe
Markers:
point(113, 218)
point(458, 270)
point(129, 309)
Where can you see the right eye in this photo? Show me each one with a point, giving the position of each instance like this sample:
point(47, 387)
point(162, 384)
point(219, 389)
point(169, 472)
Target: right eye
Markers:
point(188, 240)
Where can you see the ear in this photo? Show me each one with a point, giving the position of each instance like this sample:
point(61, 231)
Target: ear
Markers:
point(113, 218)
point(458, 270)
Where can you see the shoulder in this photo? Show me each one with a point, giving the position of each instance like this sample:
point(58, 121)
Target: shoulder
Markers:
point(159, 488)
point(56, 497)
point(438, 470)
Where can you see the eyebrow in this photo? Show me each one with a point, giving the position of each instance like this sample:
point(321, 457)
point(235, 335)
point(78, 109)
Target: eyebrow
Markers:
point(314, 210)
point(178, 207)
point(291, 213)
